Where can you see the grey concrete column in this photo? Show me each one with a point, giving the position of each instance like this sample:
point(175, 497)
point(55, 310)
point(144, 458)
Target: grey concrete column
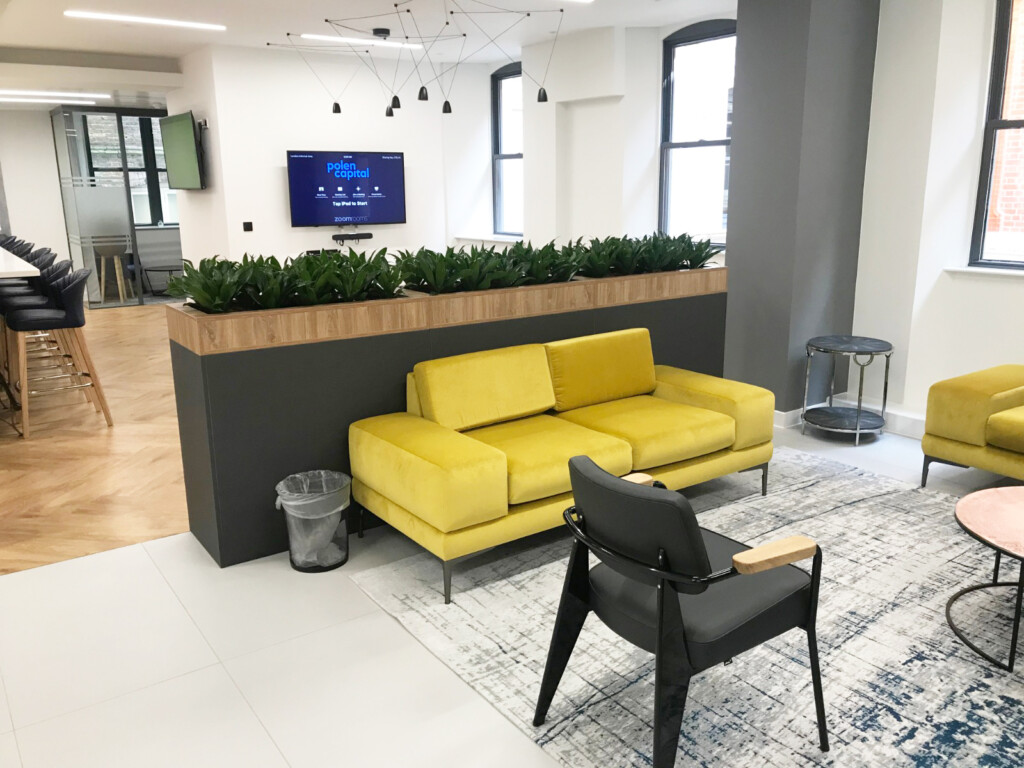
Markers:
point(804, 73)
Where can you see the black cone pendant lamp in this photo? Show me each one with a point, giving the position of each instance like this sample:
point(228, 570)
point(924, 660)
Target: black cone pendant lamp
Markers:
point(424, 96)
point(447, 108)
point(542, 95)
point(336, 109)
point(396, 103)
point(389, 112)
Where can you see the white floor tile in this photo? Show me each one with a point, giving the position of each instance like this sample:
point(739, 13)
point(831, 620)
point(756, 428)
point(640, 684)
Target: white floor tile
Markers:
point(9, 752)
point(6, 726)
point(86, 630)
point(367, 694)
point(196, 720)
point(252, 605)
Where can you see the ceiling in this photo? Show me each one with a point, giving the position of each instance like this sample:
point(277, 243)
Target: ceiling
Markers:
point(41, 23)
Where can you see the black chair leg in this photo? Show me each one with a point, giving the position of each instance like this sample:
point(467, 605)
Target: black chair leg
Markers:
point(572, 613)
point(819, 697)
point(671, 684)
point(924, 471)
point(764, 480)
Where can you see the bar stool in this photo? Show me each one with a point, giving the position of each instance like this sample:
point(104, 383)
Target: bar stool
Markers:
point(56, 333)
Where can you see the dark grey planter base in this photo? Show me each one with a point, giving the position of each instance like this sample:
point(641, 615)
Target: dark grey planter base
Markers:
point(248, 419)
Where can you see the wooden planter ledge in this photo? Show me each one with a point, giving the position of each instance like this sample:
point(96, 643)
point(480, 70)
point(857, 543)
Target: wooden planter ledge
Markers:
point(206, 334)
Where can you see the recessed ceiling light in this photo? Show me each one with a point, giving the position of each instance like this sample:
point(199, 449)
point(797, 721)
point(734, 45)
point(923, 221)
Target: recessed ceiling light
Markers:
point(71, 102)
point(143, 20)
point(55, 94)
point(361, 41)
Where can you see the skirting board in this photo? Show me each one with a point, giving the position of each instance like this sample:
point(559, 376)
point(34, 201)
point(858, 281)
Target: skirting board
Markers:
point(898, 421)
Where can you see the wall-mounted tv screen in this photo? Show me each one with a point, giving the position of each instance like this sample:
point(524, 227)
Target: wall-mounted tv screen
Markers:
point(335, 189)
point(182, 152)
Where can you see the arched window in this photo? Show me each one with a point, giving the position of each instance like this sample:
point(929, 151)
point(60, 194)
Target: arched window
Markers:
point(699, 66)
point(998, 239)
point(507, 151)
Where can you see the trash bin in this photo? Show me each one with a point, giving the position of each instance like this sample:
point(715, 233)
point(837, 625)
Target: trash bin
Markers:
point(314, 505)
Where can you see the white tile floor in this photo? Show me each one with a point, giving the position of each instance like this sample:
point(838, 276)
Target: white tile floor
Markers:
point(153, 656)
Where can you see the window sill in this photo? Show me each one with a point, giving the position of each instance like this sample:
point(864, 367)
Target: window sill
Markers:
point(997, 272)
point(491, 238)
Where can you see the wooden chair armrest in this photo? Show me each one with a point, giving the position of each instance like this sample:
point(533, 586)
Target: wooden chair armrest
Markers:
point(773, 554)
point(639, 478)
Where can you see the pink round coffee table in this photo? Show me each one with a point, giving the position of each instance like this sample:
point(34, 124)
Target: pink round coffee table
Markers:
point(995, 517)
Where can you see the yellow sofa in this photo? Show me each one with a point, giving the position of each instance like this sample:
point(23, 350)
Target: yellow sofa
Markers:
point(480, 457)
point(977, 420)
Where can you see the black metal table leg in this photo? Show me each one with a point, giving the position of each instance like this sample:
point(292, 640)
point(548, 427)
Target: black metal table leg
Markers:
point(1019, 584)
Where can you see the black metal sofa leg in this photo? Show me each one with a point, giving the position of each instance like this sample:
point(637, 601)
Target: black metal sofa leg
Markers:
point(446, 566)
point(764, 480)
point(924, 471)
point(819, 697)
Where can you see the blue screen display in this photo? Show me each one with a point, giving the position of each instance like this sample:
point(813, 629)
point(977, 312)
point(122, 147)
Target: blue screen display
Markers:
point(339, 188)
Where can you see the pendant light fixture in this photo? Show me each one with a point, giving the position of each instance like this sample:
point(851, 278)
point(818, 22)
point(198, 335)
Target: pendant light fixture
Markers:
point(542, 95)
point(389, 112)
point(396, 103)
point(424, 96)
point(447, 108)
point(337, 108)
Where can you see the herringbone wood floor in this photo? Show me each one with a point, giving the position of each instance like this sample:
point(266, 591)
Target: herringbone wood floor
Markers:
point(78, 487)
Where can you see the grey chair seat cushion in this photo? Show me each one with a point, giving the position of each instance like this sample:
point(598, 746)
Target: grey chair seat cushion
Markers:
point(35, 301)
point(39, 320)
point(728, 618)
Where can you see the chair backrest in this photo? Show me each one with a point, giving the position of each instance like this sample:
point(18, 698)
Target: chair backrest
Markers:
point(22, 249)
point(50, 275)
point(6, 241)
point(69, 295)
point(638, 522)
point(41, 258)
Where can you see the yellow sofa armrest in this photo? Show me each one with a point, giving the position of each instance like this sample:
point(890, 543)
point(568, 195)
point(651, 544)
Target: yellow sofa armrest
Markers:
point(959, 408)
point(445, 478)
point(752, 408)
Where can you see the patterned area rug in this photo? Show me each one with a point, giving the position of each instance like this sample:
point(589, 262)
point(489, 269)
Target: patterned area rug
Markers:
point(899, 688)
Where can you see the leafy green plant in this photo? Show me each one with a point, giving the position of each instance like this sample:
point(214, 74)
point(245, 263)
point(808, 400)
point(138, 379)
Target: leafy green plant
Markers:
point(431, 271)
point(212, 287)
point(265, 284)
point(701, 252)
point(316, 278)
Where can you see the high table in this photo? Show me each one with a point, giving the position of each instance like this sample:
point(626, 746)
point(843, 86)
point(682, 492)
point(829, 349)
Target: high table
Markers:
point(12, 266)
point(995, 517)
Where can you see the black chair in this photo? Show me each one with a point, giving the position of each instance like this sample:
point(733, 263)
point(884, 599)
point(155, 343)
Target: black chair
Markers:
point(40, 294)
point(692, 597)
point(58, 331)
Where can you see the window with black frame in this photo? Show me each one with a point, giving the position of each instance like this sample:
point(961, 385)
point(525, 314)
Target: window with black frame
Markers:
point(697, 87)
point(507, 141)
point(998, 239)
point(153, 202)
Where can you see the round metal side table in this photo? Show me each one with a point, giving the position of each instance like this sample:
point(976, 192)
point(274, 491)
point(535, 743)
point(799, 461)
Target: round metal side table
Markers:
point(863, 350)
point(995, 517)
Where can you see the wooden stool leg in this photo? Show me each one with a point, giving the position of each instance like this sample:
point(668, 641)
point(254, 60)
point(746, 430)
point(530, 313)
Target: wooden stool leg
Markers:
point(94, 377)
point(119, 276)
point(23, 379)
point(67, 343)
point(103, 279)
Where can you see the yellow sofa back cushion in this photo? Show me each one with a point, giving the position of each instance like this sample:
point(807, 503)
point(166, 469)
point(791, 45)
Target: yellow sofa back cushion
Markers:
point(959, 408)
point(595, 369)
point(481, 388)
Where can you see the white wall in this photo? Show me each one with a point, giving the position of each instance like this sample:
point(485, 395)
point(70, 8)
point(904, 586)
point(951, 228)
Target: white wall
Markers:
point(924, 156)
point(30, 178)
point(262, 103)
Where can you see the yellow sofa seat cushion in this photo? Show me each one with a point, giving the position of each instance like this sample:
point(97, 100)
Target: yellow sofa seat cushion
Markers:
point(959, 409)
point(659, 431)
point(443, 477)
point(482, 388)
point(595, 369)
point(1006, 429)
point(538, 450)
point(752, 408)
